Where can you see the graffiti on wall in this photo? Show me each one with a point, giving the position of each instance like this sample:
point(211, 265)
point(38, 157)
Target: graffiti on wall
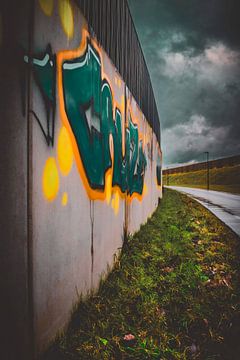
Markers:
point(44, 73)
point(88, 103)
point(94, 121)
point(102, 135)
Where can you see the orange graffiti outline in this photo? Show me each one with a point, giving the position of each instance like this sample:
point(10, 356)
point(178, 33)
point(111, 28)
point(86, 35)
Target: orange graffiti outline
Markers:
point(94, 194)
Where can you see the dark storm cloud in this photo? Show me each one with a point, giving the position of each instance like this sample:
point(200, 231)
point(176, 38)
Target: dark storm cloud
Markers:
point(193, 54)
point(216, 19)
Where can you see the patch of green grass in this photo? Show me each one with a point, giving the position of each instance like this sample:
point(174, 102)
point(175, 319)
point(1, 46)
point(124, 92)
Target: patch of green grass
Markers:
point(176, 288)
point(221, 179)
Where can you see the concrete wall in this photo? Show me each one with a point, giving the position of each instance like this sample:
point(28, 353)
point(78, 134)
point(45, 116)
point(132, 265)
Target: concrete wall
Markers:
point(94, 171)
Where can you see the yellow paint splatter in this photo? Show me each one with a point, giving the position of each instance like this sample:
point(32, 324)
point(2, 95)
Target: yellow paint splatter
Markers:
point(145, 189)
point(50, 180)
point(108, 187)
point(115, 202)
point(64, 199)
point(46, 6)
point(64, 151)
point(66, 15)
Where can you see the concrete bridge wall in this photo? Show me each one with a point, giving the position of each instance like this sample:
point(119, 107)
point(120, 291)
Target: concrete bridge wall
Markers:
point(84, 169)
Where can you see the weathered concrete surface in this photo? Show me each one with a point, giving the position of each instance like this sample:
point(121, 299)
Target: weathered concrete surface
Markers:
point(224, 205)
point(75, 235)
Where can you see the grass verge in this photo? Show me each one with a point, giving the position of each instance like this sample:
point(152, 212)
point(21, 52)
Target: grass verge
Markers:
point(221, 179)
point(176, 289)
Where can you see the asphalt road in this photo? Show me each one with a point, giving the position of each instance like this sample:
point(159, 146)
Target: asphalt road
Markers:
point(224, 205)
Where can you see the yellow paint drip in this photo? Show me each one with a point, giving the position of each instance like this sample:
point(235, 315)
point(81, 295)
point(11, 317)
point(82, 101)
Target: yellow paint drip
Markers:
point(66, 15)
point(122, 101)
point(50, 180)
point(64, 199)
point(64, 151)
point(145, 189)
point(108, 187)
point(46, 6)
point(115, 202)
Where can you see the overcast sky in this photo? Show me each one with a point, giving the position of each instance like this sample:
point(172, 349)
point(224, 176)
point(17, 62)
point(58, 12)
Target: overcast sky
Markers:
point(192, 49)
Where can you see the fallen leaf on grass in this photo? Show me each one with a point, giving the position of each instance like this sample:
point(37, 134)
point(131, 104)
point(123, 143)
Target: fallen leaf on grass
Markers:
point(160, 312)
point(129, 339)
point(219, 282)
point(225, 282)
point(205, 321)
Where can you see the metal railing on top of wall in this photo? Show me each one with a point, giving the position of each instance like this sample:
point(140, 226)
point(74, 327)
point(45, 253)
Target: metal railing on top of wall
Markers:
point(112, 23)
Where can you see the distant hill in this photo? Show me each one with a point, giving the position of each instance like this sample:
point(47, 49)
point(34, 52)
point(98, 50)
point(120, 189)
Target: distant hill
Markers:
point(224, 175)
point(218, 163)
